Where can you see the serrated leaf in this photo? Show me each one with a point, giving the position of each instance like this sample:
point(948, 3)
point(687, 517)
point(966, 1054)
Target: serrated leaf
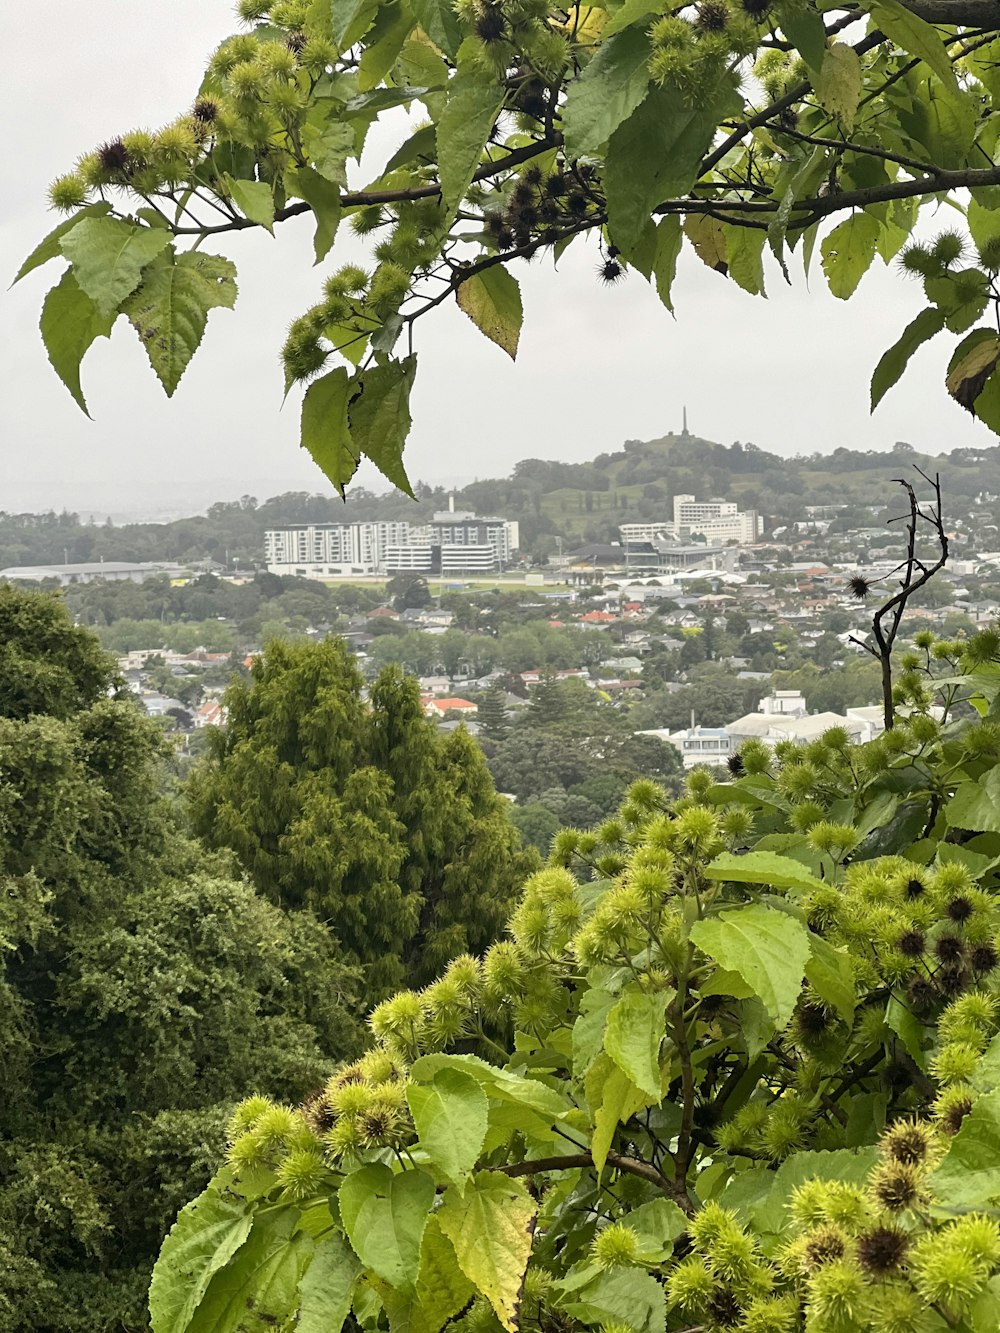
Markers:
point(655, 154)
point(975, 807)
point(657, 1224)
point(323, 197)
point(379, 417)
point(421, 144)
point(169, 309)
point(384, 1215)
point(450, 1116)
point(70, 324)
point(108, 258)
point(491, 1228)
point(669, 239)
point(895, 360)
point(987, 404)
point(780, 872)
point(499, 1083)
point(588, 1030)
point(623, 1297)
point(635, 1031)
point(442, 1289)
point(262, 1276)
point(708, 236)
point(613, 1098)
point(464, 127)
point(804, 28)
point(325, 1290)
point(51, 248)
point(393, 24)
point(744, 256)
point(970, 1171)
point(440, 22)
point(329, 146)
point(206, 1235)
point(492, 300)
point(632, 12)
point(607, 92)
point(848, 252)
point(325, 432)
point(831, 976)
point(840, 81)
point(984, 224)
point(917, 38)
point(351, 19)
point(254, 199)
point(768, 949)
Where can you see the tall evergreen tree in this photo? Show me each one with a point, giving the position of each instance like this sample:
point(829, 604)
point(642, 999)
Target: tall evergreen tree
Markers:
point(492, 715)
point(142, 988)
point(392, 834)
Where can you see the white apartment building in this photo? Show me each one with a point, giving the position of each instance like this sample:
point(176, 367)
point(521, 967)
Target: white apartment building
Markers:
point(451, 543)
point(720, 522)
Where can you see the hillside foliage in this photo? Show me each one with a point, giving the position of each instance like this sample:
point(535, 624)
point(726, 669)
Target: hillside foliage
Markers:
point(735, 1066)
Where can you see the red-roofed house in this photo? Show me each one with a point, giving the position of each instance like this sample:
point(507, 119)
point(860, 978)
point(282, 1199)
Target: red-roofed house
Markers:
point(438, 707)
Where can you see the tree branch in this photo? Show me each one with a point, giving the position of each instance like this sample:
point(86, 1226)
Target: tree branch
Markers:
point(631, 1166)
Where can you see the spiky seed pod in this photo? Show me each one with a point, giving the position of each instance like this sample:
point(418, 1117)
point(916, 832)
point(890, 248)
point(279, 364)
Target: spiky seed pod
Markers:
point(959, 909)
point(755, 9)
point(522, 194)
point(983, 958)
point(948, 948)
point(882, 1250)
point(533, 175)
point(735, 765)
point(952, 1107)
point(909, 1142)
point(812, 1020)
point(67, 193)
point(911, 943)
point(113, 157)
point(301, 1174)
point(206, 109)
point(610, 272)
point(823, 1245)
point(296, 42)
point(577, 204)
point(859, 587)
point(724, 1308)
point(505, 239)
point(897, 1187)
point(616, 1246)
point(712, 16)
point(914, 888)
point(555, 186)
point(490, 25)
point(952, 981)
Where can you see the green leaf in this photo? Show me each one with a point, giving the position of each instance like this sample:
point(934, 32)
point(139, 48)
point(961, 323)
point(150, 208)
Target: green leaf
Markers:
point(254, 199)
point(492, 300)
point(631, 12)
point(635, 1031)
point(984, 223)
point(588, 1030)
point(169, 309)
point(450, 1115)
point(323, 197)
point(351, 19)
point(987, 404)
point(440, 22)
point(325, 432)
point(607, 92)
point(895, 360)
point(51, 248)
point(263, 1276)
point(384, 1215)
point(708, 237)
point(780, 872)
point(831, 976)
point(621, 1297)
point(108, 257)
point(657, 1224)
point(393, 24)
point(744, 255)
point(976, 805)
point(379, 417)
point(499, 1083)
point(972, 363)
point(613, 1098)
point(907, 1028)
point(917, 38)
point(768, 949)
point(491, 1228)
point(970, 1172)
point(669, 239)
point(469, 115)
point(329, 146)
point(840, 81)
point(442, 1289)
point(325, 1290)
point(70, 323)
point(206, 1235)
point(421, 144)
point(804, 29)
point(654, 155)
point(848, 252)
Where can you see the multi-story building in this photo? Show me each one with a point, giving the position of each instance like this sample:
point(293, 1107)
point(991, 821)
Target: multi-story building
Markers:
point(720, 522)
point(451, 543)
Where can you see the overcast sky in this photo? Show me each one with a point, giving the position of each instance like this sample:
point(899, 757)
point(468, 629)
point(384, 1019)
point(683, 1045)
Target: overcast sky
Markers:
point(597, 366)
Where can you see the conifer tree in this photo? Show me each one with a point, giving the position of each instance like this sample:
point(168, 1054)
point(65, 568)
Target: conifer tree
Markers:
point(492, 715)
point(392, 834)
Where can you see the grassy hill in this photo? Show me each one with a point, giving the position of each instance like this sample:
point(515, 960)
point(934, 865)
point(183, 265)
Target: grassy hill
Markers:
point(570, 501)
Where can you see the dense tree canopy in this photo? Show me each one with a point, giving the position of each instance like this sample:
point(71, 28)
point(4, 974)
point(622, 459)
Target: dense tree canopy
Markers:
point(722, 126)
point(359, 811)
point(141, 986)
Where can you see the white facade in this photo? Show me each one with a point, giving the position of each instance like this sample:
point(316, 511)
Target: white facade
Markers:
point(720, 522)
point(358, 547)
point(450, 543)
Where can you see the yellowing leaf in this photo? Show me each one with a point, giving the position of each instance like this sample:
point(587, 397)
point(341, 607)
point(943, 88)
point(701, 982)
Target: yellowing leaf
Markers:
point(636, 1027)
point(492, 300)
point(254, 200)
point(491, 1228)
point(971, 365)
point(839, 84)
point(848, 252)
point(708, 236)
